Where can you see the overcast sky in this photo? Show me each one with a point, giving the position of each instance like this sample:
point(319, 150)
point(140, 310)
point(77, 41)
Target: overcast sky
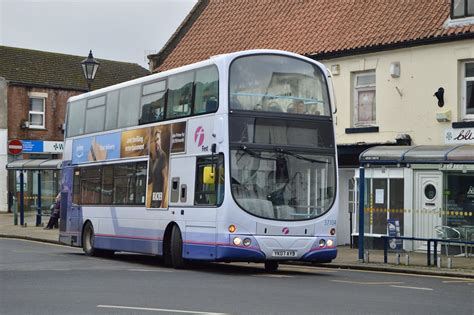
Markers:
point(121, 30)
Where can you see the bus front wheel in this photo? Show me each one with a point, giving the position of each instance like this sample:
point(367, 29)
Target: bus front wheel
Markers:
point(176, 249)
point(271, 266)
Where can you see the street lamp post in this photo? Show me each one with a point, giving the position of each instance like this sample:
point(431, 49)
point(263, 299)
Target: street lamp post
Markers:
point(90, 66)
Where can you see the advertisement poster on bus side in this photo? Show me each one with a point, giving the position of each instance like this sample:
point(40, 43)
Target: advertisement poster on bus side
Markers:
point(135, 143)
point(160, 143)
point(98, 148)
point(178, 137)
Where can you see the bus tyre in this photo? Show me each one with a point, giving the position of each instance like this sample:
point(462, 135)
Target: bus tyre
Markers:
point(176, 249)
point(271, 266)
point(88, 240)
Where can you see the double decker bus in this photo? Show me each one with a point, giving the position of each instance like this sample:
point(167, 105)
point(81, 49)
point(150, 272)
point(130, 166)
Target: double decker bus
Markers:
point(228, 159)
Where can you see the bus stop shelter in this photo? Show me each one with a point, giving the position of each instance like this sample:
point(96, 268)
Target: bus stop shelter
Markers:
point(32, 186)
point(422, 187)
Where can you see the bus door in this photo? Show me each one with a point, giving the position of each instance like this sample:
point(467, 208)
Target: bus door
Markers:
point(193, 211)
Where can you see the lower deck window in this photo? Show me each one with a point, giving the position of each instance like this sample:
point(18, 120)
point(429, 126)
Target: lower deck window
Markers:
point(118, 184)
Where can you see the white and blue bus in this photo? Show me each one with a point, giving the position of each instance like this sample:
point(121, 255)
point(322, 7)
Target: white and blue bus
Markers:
point(228, 159)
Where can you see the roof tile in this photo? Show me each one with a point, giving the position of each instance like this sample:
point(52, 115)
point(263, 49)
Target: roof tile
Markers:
point(305, 26)
point(59, 70)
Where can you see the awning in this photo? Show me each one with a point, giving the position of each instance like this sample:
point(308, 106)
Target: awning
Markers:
point(422, 154)
point(36, 164)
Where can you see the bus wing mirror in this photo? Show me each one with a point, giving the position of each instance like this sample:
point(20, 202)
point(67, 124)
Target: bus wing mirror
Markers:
point(208, 176)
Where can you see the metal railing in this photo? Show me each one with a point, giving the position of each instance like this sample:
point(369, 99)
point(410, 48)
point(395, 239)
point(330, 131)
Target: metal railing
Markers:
point(434, 241)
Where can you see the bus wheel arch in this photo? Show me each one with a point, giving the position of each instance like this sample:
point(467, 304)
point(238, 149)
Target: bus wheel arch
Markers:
point(167, 244)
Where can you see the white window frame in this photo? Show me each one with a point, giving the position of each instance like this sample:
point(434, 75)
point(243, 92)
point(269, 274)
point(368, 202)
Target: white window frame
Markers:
point(363, 88)
point(465, 79)
point(42, 97)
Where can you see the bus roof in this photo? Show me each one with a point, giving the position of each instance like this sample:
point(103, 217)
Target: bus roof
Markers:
point(212, 60)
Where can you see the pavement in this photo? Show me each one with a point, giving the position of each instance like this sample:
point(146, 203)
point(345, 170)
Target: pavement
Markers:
point(347, 258)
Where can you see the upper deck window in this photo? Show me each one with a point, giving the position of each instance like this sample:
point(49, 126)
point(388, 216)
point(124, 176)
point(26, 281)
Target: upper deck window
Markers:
point(180, 95)
point(462, 8)
point(275, 83)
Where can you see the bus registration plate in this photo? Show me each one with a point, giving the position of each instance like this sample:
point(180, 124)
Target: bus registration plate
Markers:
point(284, 253)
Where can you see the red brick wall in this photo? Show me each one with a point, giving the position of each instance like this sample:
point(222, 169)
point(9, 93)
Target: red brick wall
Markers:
point(18, 108)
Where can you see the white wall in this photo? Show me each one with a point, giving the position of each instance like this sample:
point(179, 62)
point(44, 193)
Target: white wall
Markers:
point(3, 171)
point(423, 70)
point(343, 232)
point(3, 145)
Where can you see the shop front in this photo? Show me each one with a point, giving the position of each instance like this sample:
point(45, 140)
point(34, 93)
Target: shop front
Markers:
point(423, 190)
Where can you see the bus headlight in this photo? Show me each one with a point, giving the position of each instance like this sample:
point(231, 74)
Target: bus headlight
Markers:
point(232, 228)
point(329, 243)
point(247, 242)
point(237, 241)
point(322, 242)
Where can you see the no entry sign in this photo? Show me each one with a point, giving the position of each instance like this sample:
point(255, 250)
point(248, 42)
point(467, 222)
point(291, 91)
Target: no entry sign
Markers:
point(15, 147)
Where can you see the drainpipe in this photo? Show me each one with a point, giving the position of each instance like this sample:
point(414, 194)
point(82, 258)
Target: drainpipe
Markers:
point(361, 212)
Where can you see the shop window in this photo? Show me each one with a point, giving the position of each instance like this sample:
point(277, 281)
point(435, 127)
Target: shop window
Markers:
point(364, 99)
point(209, 180)
point(468, 91)
point(460, 201)
point(37, 112)
point(462, 8)
point(396, 202)
point(383, 199)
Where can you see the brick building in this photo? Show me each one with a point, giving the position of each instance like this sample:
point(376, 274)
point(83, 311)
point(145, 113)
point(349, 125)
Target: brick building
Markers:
point(34, 89)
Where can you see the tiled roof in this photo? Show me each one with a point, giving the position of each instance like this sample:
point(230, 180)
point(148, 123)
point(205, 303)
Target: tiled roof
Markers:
point(320, 28)
point(26, 66)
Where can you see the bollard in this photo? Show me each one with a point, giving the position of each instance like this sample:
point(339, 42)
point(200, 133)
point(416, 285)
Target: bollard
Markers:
point(438, 262)
point(407, 260)
point(366, 256)
point(398, 258)
point(450, 263)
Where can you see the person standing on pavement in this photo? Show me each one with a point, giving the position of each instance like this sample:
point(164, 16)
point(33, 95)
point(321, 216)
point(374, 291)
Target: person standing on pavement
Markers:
point(53, 219)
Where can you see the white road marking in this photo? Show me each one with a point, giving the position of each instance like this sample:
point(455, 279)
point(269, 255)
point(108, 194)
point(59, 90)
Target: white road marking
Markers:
point(413, 288)
point(366, 283)
point(273, 276)
point(152, 270)
point(459, 281)
point(157, 309)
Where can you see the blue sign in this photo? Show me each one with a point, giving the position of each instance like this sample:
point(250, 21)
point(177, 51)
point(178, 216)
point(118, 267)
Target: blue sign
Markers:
point(96, 148)
point(32, 146)
point(393, 227)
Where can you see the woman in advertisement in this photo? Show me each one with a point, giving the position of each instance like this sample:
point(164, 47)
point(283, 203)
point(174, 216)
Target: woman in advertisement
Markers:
point(158, 170)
